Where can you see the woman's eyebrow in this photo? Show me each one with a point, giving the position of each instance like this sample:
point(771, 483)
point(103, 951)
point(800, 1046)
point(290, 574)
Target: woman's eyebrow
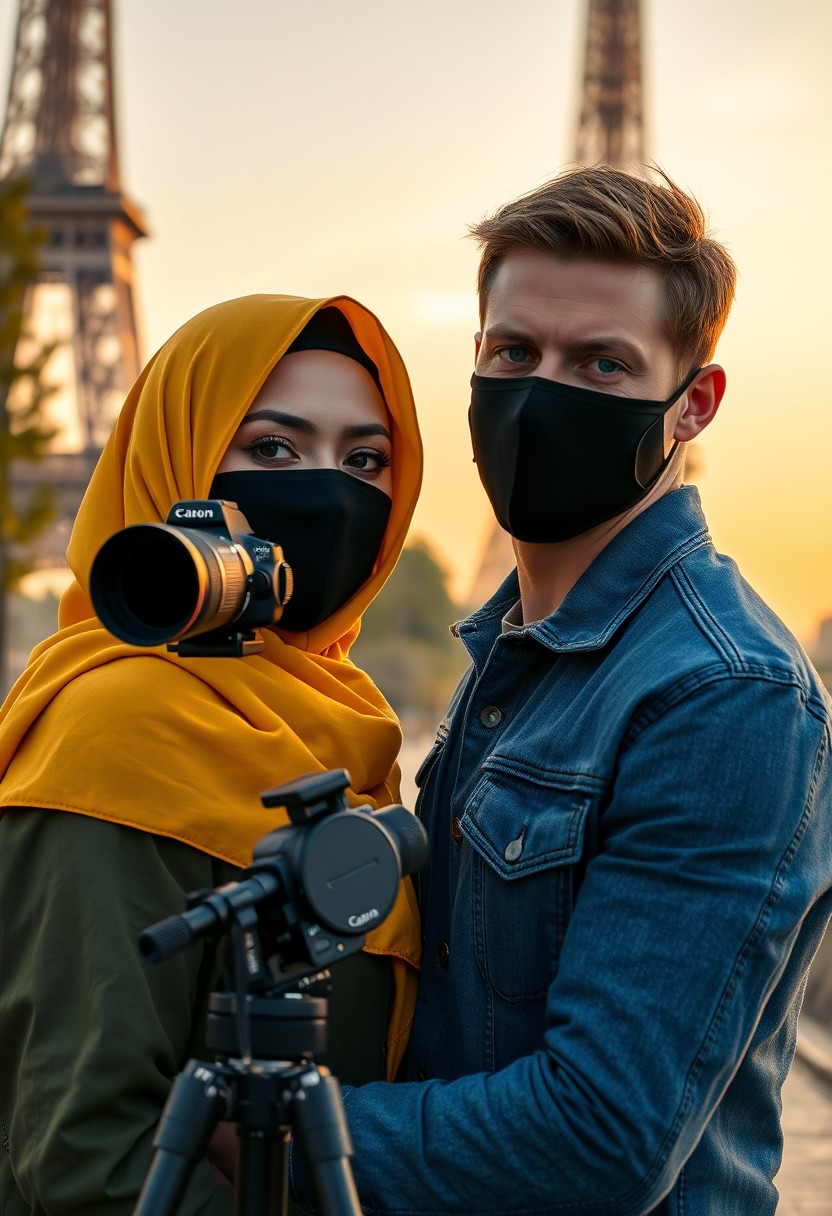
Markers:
point(360, 431)
point(290, 420)
point(365, 430)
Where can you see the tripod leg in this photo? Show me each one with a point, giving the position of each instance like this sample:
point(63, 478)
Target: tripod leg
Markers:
point(262, 1171)
point(317, 1115)
point(195, 1106)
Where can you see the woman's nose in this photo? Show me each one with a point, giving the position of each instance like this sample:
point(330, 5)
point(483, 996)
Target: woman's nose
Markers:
point(322, 456)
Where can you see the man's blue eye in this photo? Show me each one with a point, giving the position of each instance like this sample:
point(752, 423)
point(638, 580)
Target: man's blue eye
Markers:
point(608, 366)
point(516, 354)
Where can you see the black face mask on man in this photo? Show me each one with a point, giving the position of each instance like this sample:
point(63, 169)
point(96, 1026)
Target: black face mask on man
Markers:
point(329, 524)
point(555, 460)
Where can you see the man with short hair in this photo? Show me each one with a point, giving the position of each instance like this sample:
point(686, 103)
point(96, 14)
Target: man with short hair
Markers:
point(629, 800)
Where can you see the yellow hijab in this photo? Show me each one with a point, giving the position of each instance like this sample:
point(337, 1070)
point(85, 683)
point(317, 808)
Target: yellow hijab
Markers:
point(184, 747)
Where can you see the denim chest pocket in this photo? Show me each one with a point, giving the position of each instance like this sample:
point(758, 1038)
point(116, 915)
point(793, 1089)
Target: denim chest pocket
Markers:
point(527, 833)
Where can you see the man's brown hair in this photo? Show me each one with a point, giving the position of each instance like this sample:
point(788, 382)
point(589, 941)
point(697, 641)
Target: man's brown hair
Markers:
point(600, 212)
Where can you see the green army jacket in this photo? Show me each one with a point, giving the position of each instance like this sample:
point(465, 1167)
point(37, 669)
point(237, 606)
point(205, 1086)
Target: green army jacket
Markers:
point(91, 1036)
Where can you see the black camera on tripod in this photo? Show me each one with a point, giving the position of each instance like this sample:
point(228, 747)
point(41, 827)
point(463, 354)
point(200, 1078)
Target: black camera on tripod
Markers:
point(200, 582)
point(317, 886)
point(314, 889)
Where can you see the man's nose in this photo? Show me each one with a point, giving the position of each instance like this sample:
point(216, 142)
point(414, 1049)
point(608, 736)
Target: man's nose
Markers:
point(551, 366)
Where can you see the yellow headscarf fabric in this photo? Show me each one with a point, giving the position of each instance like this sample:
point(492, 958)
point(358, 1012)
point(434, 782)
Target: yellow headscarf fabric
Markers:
point(184, 747)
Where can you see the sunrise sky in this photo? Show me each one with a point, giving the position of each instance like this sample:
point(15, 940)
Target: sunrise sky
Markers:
point(331, 146)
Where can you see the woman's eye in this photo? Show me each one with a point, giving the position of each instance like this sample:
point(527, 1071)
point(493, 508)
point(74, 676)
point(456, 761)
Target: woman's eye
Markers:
point(270, 447)
point(368, 461)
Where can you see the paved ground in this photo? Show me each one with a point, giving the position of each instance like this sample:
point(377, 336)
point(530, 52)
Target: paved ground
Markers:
point(805, 1179)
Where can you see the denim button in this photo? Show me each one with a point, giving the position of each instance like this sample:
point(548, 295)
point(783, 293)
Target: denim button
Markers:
point(491, 716)
point(443, 954)
point(456, 830)
point(514, 848)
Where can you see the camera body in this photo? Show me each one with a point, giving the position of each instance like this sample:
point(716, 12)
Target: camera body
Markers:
point(316, 886)
point(201, 583)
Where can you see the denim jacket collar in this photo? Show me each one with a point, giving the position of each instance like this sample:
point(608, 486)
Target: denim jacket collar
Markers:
point(611, 589)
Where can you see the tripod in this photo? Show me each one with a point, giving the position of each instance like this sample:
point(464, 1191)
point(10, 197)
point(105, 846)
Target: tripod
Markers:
point(313, 889)
point(267, 1093)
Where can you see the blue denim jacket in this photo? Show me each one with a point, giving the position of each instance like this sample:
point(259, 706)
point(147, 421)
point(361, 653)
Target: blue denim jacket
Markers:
point(630, 810)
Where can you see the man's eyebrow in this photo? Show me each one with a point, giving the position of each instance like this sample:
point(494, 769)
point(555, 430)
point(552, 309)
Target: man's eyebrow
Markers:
point(605, 344)
point(505, 334)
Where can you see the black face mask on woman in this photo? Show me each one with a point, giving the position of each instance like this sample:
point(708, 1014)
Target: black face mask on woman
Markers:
point(329, 524)
point(556, 460)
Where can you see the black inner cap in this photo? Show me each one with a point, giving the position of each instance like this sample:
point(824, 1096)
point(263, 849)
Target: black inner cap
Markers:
point(329, 329)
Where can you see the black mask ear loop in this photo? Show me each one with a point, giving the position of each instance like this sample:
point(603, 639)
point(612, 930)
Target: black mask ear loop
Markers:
point(651, 461)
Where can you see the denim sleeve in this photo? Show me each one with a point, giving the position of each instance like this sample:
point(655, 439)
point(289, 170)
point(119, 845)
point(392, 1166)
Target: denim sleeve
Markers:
point(713, 845)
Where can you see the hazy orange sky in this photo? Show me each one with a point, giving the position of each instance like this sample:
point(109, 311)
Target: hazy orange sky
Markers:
point(329, 147)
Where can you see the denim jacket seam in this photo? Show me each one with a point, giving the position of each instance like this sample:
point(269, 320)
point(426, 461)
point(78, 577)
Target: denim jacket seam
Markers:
point(692, 681)
point(820, 758)
point(704, 618)
point(562, 779)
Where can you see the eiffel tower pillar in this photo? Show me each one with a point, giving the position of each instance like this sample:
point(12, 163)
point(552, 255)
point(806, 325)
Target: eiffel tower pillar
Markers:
point(611, 122)
point(60, 133)
point(610, 130)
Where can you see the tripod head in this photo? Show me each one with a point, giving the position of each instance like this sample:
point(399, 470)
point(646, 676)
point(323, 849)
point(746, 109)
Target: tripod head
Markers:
point(314, 889)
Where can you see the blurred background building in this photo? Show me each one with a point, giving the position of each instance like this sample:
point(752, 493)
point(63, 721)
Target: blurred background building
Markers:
point(59, 138)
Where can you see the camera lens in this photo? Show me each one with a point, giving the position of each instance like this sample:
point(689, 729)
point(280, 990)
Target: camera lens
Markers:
point(151, 583)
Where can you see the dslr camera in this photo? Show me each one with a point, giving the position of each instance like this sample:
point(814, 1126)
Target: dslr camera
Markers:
point(200, 583)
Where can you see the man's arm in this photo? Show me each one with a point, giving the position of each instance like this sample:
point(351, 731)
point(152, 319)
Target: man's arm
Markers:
point(92, 1035)
point(715, 843)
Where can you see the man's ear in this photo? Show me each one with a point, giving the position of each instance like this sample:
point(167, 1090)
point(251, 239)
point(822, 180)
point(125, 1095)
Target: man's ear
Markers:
point(477, 345)
point(700, 402)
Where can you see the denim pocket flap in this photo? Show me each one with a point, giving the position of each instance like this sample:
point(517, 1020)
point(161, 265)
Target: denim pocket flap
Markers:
point(521, 825)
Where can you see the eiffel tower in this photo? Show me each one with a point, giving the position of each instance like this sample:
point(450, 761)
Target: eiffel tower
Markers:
point(610, 129)
point(611, 122)
point(60, 133)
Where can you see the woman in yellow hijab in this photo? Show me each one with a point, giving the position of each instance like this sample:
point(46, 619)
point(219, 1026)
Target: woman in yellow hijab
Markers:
point(130, 777)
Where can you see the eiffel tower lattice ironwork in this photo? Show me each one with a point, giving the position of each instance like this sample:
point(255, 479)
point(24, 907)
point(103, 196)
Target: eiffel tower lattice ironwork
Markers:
point(60, 133)
point(610, 130)
point(611, 122)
